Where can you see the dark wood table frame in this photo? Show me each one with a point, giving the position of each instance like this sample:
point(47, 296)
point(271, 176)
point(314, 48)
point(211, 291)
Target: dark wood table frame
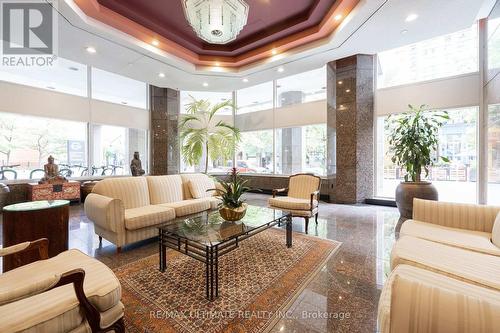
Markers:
point(210, 254)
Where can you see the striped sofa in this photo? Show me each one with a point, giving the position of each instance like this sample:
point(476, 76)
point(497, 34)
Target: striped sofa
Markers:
point(449, 257)
point(127, 210)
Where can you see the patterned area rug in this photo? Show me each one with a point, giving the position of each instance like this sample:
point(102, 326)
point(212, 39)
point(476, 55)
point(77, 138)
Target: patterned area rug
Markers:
point(257, 283)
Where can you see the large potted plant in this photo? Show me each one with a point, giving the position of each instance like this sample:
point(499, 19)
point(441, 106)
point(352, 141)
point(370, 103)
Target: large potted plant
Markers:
point(232, 207)
point(413, 144)
point(203, 134)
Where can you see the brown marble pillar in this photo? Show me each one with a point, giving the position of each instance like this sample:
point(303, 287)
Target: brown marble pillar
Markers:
point(350, 128)
point(165, 109)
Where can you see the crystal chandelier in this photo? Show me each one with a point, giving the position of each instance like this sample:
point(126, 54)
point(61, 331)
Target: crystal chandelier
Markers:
point(216, 21)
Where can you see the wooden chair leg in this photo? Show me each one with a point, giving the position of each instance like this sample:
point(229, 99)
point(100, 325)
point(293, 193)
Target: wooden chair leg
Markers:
point(119, 250)
point(307, 223)
point(316, 218)
point(100, 240)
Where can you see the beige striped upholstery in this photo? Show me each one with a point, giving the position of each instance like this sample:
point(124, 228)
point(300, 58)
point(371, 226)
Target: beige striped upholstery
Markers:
point(106, 212)
point(56, 310)
point(200, 180)
point(455, 215)
point(147, 216)
point(301, 186)
point(416, 300)
point(188, 207)
point(292, 203)
point(201, 188)
point(467, 239)
point(132, 191)
point(495, 233)
point(163, 189)
point(473, 267)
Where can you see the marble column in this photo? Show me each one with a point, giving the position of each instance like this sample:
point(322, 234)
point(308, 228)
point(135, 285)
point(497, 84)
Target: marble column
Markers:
point(165, 109)
point(350, 87)
point(291, 150)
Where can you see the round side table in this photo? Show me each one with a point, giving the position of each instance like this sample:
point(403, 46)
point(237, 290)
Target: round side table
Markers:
point(29, 221)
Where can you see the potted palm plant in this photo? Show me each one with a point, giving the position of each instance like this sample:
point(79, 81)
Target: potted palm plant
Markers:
point(232, 207)
point(201, 133)
point(413, 144)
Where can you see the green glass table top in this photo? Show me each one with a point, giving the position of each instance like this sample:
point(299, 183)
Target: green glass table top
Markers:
point(209, 228)
point(35, 205)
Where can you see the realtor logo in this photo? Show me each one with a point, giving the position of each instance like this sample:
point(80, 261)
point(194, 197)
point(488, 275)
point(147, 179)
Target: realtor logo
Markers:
point(29, 33)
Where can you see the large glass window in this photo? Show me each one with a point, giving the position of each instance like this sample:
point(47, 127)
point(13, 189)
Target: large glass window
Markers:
point(494, 154)
point(255, 153)
point(494, 41)
point(118, 89)
point(114, 147)
point(256, 98)
point(212, 97)
point(301, 149)
point(443, 56)
point(302, 88)
point(26, 142)
point(455, 181)
point(65, 76)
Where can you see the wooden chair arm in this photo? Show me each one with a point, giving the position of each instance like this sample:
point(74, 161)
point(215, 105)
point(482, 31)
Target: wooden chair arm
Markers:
point(279, 190)
point(314, 194)
point(76, 277)
point(42, 245)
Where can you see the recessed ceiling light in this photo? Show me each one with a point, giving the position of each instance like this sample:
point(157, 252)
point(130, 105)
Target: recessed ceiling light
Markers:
point(338, 17)
point(404, 31)
point(217, 64)
point(155, 42)
point(274, 51)
point(411, 17)
point(245, 80)
point(281, 69)
point(340, 82)
point(91, 49)
point(205, 84)
point(348, 90)
point(124, 103)
point(51, 87)
point(73, 68)
point(162, 75)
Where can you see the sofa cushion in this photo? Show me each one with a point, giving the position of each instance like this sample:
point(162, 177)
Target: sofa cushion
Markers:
point(132, 191)
point(301, 186)
point(473, 240)
point(147, 216)
point(199, 179)
point(163, 189)
point(495, 233)
point(101, 286)
point(188, 207)
point(199, 187)
point(473, 267)
point(292, 203)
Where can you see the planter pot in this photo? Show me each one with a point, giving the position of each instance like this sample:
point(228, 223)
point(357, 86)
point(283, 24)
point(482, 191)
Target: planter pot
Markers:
point(407, 191)
point(233, 214)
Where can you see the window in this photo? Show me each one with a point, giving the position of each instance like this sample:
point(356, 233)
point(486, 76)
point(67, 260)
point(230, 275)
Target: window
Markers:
point(301, 149)
point(494, 155)
point(255, 152)
point(448, 55)
point(212, 97)
point(114, 88)
point(455, 181)
point(256, 98)
point(65, 76)
point(302, 88)
point(494, 41)
point(114, 148)
point(26, 142)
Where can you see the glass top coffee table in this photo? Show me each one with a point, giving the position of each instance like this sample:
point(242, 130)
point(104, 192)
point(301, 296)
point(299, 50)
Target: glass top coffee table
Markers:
point(206, 237)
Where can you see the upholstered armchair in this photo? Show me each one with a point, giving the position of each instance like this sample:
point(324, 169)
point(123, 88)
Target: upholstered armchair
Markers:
point(302, 197)
point(70, 292)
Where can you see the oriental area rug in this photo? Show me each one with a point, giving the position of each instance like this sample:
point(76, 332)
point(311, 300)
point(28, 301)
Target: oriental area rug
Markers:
point(258, 281)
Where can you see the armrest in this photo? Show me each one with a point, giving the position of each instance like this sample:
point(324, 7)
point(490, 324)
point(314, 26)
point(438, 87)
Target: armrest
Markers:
point(106, 212)
point(314, 195)
point(455, 215)
point(279, 190)
point(42, 245)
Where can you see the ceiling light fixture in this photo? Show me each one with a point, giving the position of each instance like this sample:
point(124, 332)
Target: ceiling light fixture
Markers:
point(162, 75)
point(155, 42)
point(281, 69)
point(338, 17)
point(91, 49)
point(411, 17)
point(205, 84)
point(216, 21)
point(72, 68)
point(245, 80)
point(274, 52)
point(340, 82)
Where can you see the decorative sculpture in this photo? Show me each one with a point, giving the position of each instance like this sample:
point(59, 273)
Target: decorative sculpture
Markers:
point(136, 166)
point(52, 175)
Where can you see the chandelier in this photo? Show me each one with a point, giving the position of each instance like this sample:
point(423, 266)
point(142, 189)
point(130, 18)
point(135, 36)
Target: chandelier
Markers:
point(216, 21)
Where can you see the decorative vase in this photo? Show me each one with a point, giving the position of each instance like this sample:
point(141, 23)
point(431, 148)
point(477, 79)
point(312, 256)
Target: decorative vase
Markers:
point(407, 191)
point(233, 214)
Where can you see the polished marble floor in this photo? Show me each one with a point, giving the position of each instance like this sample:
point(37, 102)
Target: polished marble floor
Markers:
point(343, 296)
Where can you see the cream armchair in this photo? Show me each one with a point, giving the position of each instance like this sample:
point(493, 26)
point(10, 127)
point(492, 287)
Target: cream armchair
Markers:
point(70, 292)
point(302, 197)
